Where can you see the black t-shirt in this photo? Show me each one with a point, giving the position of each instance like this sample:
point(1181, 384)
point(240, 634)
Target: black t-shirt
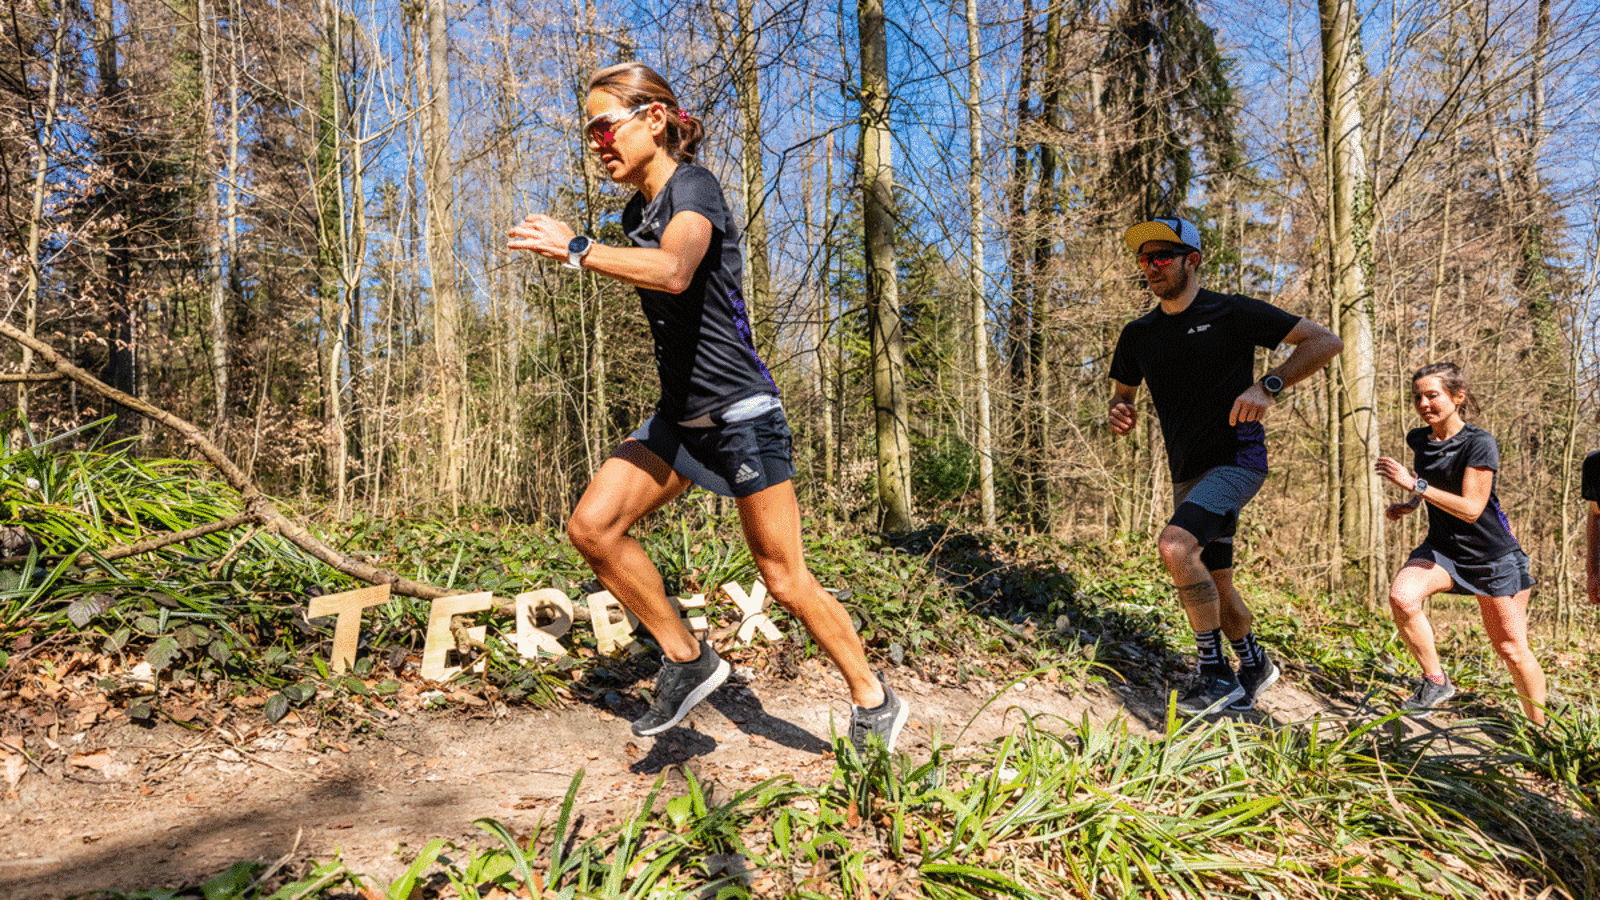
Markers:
point(705, 354)
point(1444, 464)
point(1198, 362)
point(1591, 477)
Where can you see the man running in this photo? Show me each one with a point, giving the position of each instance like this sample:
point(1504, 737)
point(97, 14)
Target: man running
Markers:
point(1196, 349)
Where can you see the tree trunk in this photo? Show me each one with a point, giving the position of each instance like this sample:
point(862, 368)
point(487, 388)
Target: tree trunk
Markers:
point(832, 417)
point(122, 360)
point(217, 278)
point(43, 145)
point(1019, 324)
point(758, 273)
point(1350, 226)
point(975, 273)
point(440, 235)
point(327, 185)
point(883, 291)
point(1045, 219)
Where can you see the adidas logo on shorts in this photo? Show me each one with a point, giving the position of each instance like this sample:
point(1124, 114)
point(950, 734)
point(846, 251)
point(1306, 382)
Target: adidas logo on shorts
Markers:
point(745, 473)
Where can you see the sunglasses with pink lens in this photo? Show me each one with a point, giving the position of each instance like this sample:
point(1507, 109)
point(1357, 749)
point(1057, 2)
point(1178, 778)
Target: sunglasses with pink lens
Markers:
point(1160, 257)
point(600, 128)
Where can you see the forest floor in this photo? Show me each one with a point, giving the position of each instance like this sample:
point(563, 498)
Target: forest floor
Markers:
point(98, 803)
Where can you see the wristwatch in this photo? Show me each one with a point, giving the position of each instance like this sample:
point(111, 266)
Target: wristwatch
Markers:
point(1420, 487)
point(1272, 384)
point(577, 249)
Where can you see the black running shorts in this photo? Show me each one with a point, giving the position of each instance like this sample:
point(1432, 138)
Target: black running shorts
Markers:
point(735, 459)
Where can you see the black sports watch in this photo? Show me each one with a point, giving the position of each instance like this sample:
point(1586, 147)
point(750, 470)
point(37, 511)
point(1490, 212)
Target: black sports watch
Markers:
point(577, 249)
point(1272, 384)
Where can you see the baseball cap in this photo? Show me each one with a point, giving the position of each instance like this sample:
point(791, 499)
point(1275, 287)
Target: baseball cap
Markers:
point(1164, 228)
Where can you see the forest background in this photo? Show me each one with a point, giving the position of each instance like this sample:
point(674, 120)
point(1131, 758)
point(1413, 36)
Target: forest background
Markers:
point(285, 221)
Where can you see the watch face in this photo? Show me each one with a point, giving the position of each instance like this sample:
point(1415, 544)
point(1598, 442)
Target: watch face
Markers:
point(1272, 383)
point(578, 244)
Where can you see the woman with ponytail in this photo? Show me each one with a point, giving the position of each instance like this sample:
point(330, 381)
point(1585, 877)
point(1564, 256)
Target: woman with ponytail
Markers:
point(1469, 548)
point(718, 424)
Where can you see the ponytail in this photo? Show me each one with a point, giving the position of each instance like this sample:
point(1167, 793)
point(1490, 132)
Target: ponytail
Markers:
point(636, 84)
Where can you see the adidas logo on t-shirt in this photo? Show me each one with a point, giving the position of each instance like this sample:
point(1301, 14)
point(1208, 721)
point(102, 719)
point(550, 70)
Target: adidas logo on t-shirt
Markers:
point(1199, 328)
point(745, 473)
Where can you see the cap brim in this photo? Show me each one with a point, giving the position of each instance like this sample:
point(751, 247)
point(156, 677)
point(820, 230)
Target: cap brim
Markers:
point(1140, 234)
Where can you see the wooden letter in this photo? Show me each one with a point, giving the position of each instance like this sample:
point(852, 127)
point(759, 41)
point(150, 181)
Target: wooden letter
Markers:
point(532, 639)
point(751, 617)
point(610, 636)
point(347, 628)
point(439, 643)
point(693, 611)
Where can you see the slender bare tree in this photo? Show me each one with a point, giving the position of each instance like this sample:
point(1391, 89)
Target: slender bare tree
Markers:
point(1350, 223)
point(440, 232)
point(975, 272)
point(883, 289)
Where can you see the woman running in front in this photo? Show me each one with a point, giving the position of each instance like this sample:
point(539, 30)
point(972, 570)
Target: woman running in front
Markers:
point(1469, 548)
point(718, 424)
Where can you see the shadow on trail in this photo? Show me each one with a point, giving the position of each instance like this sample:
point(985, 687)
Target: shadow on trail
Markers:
point(745, 710)
point(673, 747)
point(680, 744)
point(1038, 602)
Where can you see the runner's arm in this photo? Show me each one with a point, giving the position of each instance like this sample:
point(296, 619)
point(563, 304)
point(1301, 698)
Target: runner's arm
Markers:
point(1122, 414)
point(669, 268)
point(1476, 485)
point(1313, 345)
point(1593, 567)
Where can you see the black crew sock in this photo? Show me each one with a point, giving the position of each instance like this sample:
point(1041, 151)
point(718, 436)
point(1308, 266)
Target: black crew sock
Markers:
point(1248, 651)
point(1209, 644)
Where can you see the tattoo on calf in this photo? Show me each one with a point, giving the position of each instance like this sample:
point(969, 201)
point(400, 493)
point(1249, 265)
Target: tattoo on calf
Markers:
point(1201, 593)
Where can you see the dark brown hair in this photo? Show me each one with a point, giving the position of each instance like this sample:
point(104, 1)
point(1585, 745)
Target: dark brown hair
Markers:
point(635, 84)
point(1453, 382)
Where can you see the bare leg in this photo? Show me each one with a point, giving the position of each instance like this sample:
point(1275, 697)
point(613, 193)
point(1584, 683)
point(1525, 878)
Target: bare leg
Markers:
point(1506, 621)
point(771, 520)
point(630, 485)
point(1180, 553)
point(1413, 584)
point(1237, 620)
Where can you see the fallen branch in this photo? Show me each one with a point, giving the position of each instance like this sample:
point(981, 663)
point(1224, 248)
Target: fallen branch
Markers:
point(257, 507)
point(29, 377)
point(149, 544)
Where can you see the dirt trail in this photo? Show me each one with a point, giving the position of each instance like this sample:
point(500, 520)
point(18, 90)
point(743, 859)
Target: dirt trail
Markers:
point(165, 806)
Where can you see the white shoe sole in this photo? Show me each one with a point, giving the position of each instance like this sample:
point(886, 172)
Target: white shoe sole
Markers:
point(1221, 703)
point(701, 692)
point(1248, 701)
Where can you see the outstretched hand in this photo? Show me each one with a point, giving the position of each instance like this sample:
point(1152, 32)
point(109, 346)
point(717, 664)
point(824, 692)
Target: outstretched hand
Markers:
point(1393, 472)
point(541, 234)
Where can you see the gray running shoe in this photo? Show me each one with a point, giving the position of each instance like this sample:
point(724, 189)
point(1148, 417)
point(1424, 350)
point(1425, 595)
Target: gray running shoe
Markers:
point(1428, 696)
point(1254, 680)
point(883, 721)
point(1210, 692)
point(679, 687)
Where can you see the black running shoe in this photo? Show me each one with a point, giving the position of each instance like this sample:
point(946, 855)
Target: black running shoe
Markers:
point(1210, 692)
point(679, 687)
point(1427, 697)
point(883, 721)
point(1254, 680)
